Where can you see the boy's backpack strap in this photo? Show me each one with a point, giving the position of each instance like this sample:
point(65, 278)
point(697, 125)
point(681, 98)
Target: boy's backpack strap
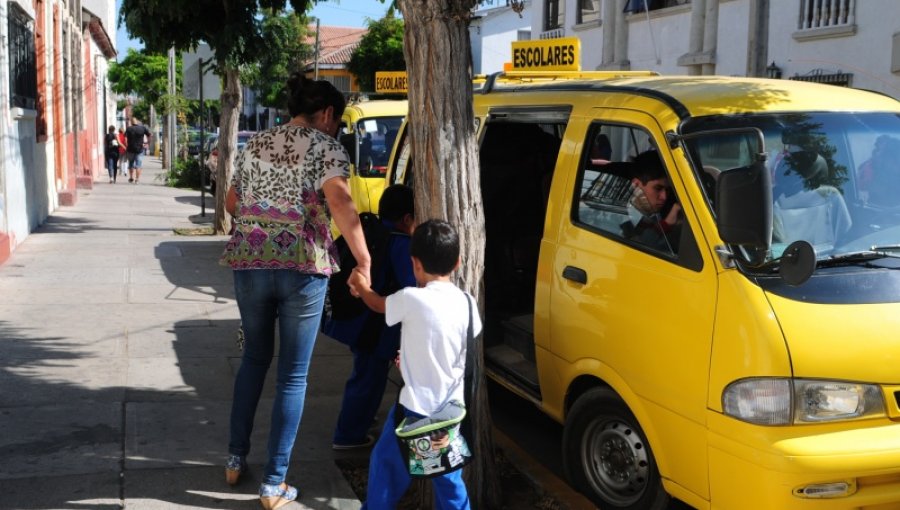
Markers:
point(470, 383)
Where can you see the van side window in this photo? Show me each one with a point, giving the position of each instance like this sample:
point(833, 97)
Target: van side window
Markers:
point(624, 190)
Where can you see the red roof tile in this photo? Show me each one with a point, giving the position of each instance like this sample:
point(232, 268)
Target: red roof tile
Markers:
point(336, 44)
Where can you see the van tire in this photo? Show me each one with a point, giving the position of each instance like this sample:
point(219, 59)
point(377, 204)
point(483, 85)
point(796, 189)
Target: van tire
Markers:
point(626, 476)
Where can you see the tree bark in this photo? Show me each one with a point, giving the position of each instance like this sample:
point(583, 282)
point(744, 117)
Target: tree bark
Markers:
point(228, 124)
point(447, 184)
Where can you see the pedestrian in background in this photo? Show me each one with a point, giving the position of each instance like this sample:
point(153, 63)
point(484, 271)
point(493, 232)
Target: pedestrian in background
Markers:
point(288, 183)
point(111, 153)
point(134, 136)
point(123, 159)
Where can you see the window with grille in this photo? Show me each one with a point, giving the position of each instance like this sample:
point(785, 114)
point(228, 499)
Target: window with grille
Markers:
point(342, 83)
point(22, 69)
point(588, 11)
point(554, 14)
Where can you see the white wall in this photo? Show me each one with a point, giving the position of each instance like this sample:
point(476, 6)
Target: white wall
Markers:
point(492, 36)
point(866, 54)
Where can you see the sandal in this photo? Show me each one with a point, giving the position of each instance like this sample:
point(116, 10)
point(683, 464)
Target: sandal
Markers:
point(234, 466)
point(276, 496)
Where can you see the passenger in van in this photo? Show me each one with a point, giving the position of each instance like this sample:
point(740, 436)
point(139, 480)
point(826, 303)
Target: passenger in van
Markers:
point(804, 208)
point(879, 176)
point(601, 150)
point(648, 221)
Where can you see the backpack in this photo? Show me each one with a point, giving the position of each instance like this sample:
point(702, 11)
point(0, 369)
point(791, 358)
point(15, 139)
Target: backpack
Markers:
point(345, 306)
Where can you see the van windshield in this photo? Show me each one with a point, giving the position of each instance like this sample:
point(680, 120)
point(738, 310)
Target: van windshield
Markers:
point(835, 176)
point(376, 136)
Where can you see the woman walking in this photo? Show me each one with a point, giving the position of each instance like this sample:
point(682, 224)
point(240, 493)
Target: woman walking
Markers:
point(289, 181)
point(111, 153)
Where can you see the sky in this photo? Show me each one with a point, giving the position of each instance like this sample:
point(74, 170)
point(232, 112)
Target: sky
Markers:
point(340, 13)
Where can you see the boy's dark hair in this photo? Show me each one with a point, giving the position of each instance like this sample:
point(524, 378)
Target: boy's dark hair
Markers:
point(396, 202)
point(436, 245)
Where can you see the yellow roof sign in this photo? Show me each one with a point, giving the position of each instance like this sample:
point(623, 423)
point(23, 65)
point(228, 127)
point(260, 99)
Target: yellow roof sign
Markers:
point(562, 54)
point(390, 82)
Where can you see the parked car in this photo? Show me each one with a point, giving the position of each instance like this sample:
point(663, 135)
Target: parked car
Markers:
point(212, 159)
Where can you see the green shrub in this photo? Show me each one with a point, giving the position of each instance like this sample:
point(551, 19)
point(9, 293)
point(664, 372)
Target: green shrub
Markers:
point(185, 174)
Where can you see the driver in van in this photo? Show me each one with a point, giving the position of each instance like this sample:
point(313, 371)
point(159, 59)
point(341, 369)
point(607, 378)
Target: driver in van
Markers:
point(646, 223)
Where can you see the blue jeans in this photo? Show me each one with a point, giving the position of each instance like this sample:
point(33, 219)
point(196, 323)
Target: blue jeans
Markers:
point(389, 476)
point(295, 301)
point(111, 163)
point(134, 160)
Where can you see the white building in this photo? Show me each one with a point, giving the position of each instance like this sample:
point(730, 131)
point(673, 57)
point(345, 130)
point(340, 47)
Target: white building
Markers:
point(55, 102)
point(844, 42)
point(493, 29)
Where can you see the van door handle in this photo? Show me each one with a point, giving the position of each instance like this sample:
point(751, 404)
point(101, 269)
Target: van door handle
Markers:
point(576, 274)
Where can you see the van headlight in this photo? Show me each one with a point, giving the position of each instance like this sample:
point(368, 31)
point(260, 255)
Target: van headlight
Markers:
point(783, 401)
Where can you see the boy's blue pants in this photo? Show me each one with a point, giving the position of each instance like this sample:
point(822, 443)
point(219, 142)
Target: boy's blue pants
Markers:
point(389, 476)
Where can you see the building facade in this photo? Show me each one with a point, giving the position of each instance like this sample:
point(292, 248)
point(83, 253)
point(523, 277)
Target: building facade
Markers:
point(55, 101)
point(842, 42)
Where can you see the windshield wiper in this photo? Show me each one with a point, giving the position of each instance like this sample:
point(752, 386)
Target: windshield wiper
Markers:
point(876, 253)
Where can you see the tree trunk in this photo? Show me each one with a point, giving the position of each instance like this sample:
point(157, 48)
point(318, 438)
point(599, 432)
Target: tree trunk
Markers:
point(228, 122)
point(447, 184)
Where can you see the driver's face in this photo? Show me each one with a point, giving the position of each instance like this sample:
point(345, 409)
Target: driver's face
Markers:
point(655, 191)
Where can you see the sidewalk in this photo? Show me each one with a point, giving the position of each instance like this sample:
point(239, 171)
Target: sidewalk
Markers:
point(117, 355)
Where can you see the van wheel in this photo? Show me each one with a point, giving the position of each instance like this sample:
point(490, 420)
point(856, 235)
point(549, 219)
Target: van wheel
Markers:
point(607, 457)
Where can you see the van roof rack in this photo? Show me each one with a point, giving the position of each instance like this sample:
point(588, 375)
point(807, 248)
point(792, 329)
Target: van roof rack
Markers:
point(531, 76)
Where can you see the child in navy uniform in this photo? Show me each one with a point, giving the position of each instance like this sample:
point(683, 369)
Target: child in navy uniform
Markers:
point(374, 345)
point(435, 319)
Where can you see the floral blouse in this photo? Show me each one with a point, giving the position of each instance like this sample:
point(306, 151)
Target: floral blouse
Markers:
point(282, 220)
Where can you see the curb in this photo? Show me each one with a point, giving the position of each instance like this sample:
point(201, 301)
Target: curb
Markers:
point(544, 480)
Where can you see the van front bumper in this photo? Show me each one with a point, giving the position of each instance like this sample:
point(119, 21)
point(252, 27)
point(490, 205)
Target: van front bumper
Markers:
point(754, 467)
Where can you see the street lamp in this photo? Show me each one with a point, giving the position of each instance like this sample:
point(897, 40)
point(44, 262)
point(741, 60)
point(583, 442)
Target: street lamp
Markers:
point(773, 71)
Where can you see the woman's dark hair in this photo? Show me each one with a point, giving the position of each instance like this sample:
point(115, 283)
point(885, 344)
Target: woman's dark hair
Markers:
point(112, 129)
point(396, 202)
point(436, 245)
point(306, 97)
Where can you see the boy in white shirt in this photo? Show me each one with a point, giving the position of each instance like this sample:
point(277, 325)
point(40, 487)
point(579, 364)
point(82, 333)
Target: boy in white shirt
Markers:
point(435, 319)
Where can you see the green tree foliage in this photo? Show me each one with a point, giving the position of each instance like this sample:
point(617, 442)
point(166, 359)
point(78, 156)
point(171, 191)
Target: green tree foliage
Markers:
point(233, 30)
point(381, 49)
point(286, 53)
point(142, 74)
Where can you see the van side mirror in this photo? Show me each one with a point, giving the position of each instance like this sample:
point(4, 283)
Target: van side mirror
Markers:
point(744, 206)
point(349, 142)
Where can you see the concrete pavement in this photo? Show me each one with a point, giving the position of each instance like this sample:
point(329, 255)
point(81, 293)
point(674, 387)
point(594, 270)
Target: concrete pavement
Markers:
point(117, 355)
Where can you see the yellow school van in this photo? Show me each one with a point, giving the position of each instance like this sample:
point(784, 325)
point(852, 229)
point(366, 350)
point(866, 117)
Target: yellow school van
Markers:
point(368, 132)
point(699, 277)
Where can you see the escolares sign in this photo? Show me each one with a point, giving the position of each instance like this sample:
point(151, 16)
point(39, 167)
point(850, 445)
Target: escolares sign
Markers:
point(390, 82)
point(563, 54)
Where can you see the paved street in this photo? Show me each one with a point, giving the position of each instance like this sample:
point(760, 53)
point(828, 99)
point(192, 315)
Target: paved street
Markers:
point(117, 353)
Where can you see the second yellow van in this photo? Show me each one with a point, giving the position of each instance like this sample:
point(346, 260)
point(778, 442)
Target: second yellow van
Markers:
point(368, 132)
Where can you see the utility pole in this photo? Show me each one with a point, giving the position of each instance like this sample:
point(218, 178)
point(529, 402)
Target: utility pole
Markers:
point(317, 50)
point(170, 142)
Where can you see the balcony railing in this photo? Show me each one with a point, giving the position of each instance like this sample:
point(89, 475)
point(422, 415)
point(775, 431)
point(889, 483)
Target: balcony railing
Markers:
point(826, 13)
point(553, 34)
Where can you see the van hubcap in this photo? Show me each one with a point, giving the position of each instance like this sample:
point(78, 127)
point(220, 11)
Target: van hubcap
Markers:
point(616, 461)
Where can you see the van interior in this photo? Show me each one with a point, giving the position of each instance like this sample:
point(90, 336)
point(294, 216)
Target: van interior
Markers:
point(517, 162)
